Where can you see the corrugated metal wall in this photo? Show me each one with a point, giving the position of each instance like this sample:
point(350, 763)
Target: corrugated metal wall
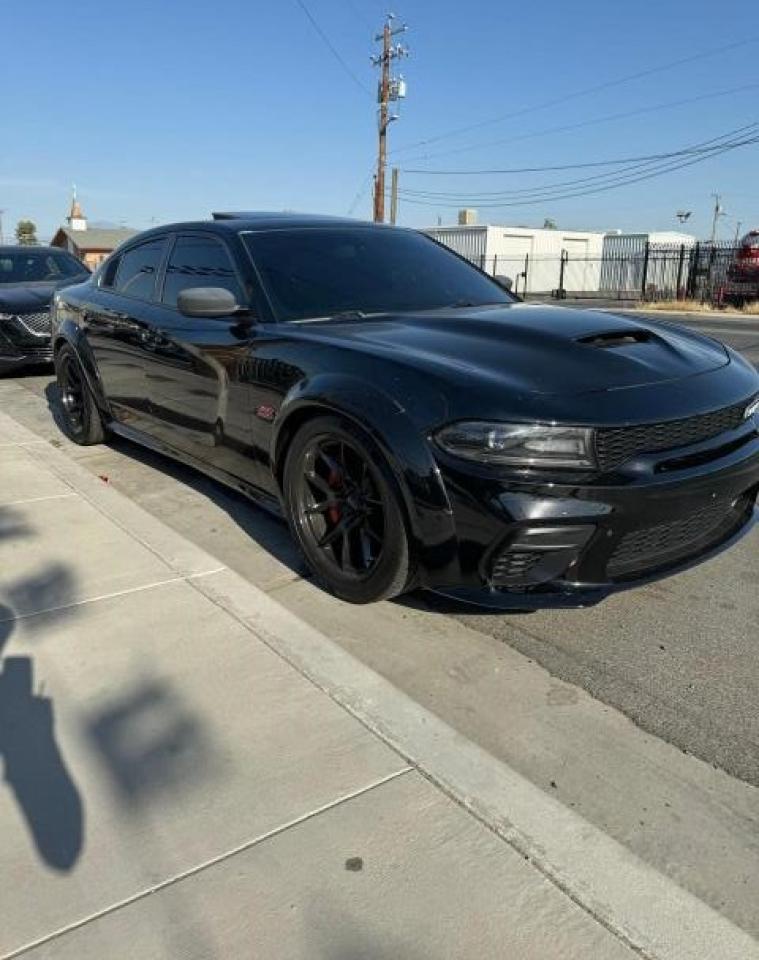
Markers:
point(470, 242)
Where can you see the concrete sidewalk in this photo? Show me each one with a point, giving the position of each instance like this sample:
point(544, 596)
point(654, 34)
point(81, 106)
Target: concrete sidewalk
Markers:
point(192, 771)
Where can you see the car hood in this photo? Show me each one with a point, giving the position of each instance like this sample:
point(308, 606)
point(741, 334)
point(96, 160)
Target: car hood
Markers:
point(533, 349)
point(31, 297)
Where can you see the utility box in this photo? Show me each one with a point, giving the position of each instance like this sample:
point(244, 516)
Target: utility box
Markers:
point(467, 218)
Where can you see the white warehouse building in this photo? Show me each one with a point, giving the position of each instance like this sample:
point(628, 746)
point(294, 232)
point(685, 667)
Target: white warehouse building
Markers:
point(530, 256)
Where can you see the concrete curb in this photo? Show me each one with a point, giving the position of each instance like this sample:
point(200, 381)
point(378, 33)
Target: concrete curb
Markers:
point(643, 908)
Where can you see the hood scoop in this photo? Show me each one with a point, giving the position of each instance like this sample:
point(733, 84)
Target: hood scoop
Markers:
point(617, 338)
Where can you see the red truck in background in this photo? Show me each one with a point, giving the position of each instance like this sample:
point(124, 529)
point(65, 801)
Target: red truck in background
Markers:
point(742, 280)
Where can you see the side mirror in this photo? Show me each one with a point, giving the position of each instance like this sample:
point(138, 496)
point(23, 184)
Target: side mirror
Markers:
point(207, 302)
point(506, 282)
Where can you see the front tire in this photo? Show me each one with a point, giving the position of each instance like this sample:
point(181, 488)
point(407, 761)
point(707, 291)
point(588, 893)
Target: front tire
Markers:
point(344, 509)
point(81, 417)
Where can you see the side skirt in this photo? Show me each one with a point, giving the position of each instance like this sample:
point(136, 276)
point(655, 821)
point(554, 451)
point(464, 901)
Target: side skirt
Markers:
point(262, 499)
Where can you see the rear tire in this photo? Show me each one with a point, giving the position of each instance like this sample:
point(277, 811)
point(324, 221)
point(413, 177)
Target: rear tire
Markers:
point(344, 509)
point(81, 417)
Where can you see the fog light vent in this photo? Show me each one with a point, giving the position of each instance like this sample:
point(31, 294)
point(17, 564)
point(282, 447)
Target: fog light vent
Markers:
point(537, 555)
point(512, 568)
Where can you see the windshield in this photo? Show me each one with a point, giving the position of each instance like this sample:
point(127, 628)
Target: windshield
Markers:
point(37, 266)
point(320, 272)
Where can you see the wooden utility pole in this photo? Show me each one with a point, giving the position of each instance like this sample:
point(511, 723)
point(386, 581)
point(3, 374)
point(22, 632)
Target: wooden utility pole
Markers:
point(390, 90)
point(384, 94)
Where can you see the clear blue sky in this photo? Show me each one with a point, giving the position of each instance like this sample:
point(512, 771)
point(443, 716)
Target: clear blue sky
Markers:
point(169, 109)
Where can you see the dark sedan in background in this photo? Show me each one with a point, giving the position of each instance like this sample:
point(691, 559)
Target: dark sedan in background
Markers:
point(417, 425)
point(28, 278)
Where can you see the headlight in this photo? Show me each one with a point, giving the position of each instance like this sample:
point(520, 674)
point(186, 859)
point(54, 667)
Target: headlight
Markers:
point(5, 316)
point(519, 444)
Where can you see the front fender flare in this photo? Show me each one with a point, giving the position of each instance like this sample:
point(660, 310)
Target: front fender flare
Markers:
point(404, 446)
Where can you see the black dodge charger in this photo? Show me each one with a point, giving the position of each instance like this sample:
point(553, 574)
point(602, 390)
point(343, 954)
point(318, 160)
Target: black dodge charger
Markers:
point(415, 423)
point(28, 278)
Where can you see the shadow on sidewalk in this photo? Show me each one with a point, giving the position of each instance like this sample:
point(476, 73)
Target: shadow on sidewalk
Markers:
point(330, 932)
point(151, 743)
point(34, 769)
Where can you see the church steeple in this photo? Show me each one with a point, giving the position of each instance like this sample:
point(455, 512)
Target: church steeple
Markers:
point(76, 218)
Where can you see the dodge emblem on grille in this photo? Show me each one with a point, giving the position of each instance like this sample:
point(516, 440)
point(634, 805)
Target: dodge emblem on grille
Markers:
point(751, 409)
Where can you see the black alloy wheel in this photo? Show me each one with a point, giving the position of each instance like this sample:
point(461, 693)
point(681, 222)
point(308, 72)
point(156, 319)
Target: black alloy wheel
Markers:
point(344, 510)
point(81, 416)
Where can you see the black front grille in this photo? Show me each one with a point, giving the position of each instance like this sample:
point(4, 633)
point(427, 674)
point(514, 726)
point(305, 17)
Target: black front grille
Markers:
point(34, 350)
point(616, 445)
point(38, 354)
point(674, 542)
point(36, 323)
point(28, 331)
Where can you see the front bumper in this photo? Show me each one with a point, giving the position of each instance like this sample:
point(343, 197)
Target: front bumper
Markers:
point(530, 543)
point(24, 341)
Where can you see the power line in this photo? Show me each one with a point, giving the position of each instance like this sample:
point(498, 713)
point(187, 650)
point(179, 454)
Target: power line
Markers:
point(360, 193)
point(551, 197)
point(596, 88)
point(546, 191)
point(565, 128)
point(333, 50)
point(587, 191)
point(732, 138)
point(548, 168)
point(358, 13)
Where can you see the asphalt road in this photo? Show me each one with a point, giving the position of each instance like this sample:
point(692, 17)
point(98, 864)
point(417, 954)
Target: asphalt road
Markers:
point(679, 658)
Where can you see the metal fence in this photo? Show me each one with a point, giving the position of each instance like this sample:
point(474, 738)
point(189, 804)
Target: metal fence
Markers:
point(719, 273)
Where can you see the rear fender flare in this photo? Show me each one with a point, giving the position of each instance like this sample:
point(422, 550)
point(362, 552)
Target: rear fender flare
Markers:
point(72, 334)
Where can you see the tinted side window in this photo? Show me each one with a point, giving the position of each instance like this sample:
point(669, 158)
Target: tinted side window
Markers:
point(199, 262)
point(138, 269)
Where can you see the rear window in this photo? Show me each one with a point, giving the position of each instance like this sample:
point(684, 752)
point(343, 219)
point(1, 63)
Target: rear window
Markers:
point(138, 269)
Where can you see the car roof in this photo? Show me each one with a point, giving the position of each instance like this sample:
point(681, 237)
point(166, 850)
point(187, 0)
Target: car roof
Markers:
point(264, 220)
point(237, 221)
